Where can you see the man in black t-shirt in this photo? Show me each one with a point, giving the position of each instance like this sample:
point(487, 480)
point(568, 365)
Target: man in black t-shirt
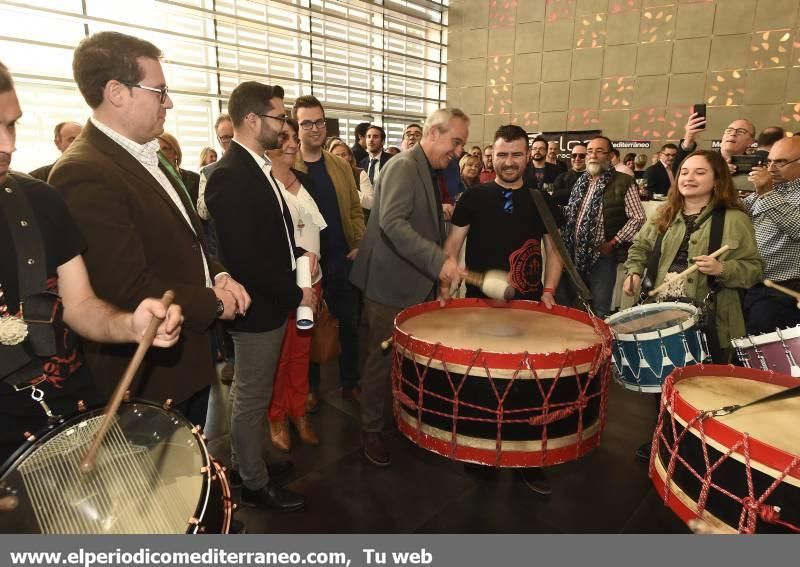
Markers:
point(60, 377)
point(504, 227)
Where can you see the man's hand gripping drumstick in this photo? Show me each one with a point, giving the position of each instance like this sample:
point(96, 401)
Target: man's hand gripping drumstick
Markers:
point(450, 273)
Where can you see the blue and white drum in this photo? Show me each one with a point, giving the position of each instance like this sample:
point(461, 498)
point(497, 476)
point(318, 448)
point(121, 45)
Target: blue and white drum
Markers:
point(651, 340)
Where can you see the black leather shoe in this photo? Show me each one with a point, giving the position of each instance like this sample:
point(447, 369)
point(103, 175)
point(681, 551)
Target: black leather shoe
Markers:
point(277, 471)
point(274, 497)
point(643, 452)
point(375, 450)
point(536, 480)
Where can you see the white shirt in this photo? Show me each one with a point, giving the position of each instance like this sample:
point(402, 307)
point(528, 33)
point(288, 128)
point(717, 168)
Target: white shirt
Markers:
point(307, 220)
point(147, 155)
point(266, 167)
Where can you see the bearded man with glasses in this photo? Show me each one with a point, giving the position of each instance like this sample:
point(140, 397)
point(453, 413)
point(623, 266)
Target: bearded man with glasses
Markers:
point(775, 210)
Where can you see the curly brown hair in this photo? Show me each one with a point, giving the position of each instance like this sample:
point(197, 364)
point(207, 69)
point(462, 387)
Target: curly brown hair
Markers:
point(724, 195)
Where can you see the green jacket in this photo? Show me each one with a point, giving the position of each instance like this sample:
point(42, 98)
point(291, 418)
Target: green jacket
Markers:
point(742, 264)
point(341, 175)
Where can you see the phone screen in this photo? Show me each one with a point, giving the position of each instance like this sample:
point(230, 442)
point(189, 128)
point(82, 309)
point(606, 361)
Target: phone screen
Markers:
point(700, 109)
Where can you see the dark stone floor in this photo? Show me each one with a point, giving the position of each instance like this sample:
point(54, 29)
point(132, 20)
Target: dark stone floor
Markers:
point(607, 491)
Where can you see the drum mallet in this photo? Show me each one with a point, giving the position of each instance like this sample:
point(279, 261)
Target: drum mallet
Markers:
point(493, 283)
point(88, 461)
point(687, 272)
point(782, 289)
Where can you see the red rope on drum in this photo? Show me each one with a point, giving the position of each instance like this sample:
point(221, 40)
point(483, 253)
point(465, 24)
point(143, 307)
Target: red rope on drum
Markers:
point(754, 507)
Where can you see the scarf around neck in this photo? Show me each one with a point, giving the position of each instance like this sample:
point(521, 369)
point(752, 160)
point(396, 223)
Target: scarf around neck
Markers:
point(580, 240)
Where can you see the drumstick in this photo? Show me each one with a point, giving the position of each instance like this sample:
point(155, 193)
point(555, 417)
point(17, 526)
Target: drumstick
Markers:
point(387, 343)
point(782, 289)
point(88, 462)
point(688, 271)
point(494, 283)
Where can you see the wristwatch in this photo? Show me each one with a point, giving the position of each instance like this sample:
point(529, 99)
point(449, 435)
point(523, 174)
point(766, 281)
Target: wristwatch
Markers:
point(220, 307)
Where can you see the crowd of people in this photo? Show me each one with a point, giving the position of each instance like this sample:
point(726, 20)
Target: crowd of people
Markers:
point(120, 221)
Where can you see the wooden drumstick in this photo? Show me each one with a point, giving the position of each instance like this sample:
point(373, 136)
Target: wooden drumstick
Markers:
point(88, 462)
point(782, 289)
point(687, 272)
point(494, 283)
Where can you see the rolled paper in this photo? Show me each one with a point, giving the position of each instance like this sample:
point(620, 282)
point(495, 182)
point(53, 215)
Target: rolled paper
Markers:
point(305, 315)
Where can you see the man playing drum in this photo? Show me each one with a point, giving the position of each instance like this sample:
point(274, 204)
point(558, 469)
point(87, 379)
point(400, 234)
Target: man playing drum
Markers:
point(506, 233)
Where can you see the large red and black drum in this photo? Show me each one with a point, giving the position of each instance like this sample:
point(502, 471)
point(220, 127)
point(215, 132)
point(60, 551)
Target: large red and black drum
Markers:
point(502, 384)
point(738, 472)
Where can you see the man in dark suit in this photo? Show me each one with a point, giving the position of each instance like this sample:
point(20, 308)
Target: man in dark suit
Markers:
point(63, 136)
point(141, 231)
point(401, 261)
point(256, 238)
point(660, 176)
point(376, 157)
point(359, 147)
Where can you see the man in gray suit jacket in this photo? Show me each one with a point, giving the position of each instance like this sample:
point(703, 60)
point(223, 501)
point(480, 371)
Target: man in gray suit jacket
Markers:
point(401, 262)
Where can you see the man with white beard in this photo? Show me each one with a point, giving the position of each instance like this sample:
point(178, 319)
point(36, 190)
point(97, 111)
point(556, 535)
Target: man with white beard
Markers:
point(604, 213)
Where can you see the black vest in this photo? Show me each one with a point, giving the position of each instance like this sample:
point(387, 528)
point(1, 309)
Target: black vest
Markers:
point(614, 217)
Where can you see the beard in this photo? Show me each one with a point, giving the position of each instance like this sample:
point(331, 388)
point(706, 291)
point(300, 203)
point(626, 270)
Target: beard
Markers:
point(596, 169)
point(509, 174)
point(271, 140)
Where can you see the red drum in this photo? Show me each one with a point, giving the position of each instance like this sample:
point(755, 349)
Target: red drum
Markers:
point(508, 384)
point(738, 472)
point(778, 351)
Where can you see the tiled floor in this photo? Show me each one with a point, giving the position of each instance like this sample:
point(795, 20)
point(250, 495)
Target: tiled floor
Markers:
point(607, 491)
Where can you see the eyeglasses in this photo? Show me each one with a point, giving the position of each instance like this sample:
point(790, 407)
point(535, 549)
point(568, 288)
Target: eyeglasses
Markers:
point(309, 124)
point(780, 163)
point(163, 91)
point(578, 156)
point(508, 202)
point(282, 118)
point(737, 131)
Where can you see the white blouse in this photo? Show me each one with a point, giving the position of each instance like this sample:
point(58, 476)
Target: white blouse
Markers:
point(307, 221)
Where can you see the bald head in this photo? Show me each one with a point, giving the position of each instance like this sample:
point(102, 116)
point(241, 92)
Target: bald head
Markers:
point(784, 160)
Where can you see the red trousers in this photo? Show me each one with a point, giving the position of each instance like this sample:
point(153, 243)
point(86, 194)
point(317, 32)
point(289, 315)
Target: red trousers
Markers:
point(290, 388)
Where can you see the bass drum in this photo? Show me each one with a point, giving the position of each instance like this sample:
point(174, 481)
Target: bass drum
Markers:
point(153, 475)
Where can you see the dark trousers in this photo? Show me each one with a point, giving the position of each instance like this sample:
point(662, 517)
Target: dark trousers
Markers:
point(343, 300)
point(601, 279)
point(377, 380)
point(766, 309)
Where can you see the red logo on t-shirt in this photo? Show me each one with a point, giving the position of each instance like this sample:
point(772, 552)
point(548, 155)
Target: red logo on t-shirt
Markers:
point(525, 267)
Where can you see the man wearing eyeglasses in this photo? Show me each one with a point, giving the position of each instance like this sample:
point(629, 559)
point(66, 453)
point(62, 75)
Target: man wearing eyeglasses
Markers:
point(736, 139)
point(411, 136)
point(334, 190)
point(562, 187)
point(775, 210)
point(141, 230)
point(661, 175)
point(223, 127)
point(487, 172)
point(256, 237)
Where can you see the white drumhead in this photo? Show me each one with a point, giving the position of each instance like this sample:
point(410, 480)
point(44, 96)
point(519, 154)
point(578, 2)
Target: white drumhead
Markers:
point(501, 329)
point(646, 321)
point(773, 423)
point(767, 338)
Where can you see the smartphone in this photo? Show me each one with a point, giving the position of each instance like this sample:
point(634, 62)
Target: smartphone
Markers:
point(746, 163)
point(700, 109)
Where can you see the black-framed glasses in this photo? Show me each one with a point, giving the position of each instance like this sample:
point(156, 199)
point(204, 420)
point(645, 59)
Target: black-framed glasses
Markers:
point(309, 124)
point(282, 118)
point(780, 163)
point(508, 201)
point(163, 91)
point(737, 131)
point(578, 156)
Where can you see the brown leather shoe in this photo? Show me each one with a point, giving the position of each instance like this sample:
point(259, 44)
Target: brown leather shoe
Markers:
point(306, 430)
point(279, 433)
point(375, 450)
point(312, 402)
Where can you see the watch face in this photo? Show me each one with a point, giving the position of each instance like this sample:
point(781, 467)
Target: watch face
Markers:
point(220, 307)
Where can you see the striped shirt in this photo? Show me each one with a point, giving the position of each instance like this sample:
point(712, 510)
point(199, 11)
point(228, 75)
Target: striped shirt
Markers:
point(776, 218)
point(633, 210)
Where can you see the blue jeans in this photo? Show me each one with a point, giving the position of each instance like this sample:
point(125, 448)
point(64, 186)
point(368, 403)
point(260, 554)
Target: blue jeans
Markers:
point(343, 300)
point(601, 279)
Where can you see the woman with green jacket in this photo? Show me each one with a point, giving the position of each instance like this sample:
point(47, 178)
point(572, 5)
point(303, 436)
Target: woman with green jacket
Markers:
point(702, 185)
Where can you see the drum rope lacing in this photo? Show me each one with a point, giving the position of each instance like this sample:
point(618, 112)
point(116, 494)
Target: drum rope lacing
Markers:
point(753, 507)
point(549, 412)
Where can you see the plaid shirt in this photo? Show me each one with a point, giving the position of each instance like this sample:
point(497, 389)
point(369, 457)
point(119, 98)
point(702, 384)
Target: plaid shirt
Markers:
point(633, 210)
point(147, 155)
point(776, 218)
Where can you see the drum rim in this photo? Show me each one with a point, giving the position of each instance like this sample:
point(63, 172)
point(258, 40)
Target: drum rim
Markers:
point(750, 341)
point(500, 360)
point(689, 323)
point(51, 430)
point(725, 435)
